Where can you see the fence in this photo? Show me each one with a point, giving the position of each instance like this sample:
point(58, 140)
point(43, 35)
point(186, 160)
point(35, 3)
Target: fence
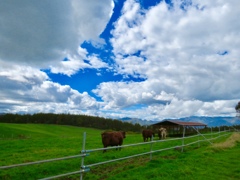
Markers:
point(180, 144)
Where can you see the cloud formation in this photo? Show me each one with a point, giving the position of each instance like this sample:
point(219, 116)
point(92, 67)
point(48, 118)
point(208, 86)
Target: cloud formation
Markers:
point(176, 60)
point(188, 51)
point(43, 33)
point(37, 35)
point(29, 90)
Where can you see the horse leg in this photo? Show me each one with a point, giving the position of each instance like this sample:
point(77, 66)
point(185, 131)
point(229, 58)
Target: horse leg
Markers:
point(104, 149)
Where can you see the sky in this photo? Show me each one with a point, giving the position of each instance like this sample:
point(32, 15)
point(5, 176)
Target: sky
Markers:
point(152, 60)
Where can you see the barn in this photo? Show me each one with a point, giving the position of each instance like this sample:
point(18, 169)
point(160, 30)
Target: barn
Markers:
point(177, 128)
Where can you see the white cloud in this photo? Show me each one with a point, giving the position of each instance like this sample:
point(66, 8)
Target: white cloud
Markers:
point(91, 17)
point(21, 74)
point(42, 33)
point(25, 89)
point(188, 57)
point(180, 55)
point(122, 94)
point(74, 63)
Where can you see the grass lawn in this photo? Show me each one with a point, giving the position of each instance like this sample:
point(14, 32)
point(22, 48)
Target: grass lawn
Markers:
point(20, 143)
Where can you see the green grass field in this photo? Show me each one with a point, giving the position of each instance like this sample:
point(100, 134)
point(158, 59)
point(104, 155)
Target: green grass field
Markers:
point(21, 143)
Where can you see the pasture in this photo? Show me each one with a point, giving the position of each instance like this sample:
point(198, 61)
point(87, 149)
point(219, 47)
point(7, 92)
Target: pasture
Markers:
point(21, 143)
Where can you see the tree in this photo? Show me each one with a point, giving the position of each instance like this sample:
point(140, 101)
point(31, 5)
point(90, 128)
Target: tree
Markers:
point(237, 107)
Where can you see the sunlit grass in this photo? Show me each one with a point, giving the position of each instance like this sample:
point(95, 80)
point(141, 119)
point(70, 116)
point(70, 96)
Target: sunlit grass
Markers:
point(198, 161)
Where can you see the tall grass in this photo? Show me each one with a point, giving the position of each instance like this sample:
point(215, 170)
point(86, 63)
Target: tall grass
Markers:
point(22, 143)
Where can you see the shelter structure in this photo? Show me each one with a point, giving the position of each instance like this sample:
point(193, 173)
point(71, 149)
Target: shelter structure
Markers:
point(177, 127)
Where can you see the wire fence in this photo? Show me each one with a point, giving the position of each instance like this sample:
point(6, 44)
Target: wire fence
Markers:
point(179, 144)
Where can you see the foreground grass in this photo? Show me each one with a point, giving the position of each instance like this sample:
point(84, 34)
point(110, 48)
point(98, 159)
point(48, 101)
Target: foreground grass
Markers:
point(208, 162)
point(31, 142)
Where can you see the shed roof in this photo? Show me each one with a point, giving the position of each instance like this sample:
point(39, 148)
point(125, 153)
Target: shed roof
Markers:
point(180, 123)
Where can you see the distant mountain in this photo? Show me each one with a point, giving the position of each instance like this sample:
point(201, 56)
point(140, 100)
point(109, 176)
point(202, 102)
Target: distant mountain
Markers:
point(210, 121)
point(138, 121)
point(213, 121)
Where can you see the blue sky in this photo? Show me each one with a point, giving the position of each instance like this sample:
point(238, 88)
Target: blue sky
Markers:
point(120, 58)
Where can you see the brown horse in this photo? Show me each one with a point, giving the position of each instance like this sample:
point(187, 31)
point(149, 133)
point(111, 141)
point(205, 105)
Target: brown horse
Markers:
point(147, 133)
point(114, 138)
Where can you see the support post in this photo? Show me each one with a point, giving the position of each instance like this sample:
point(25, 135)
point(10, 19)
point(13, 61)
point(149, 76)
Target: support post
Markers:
point(183, 137)
point(151, 148)
point(211, 132)
point(202, 135)
point(198, 140)
point(83, 151)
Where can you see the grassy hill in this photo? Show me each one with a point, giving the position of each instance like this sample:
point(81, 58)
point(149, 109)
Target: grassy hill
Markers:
point(22, 143)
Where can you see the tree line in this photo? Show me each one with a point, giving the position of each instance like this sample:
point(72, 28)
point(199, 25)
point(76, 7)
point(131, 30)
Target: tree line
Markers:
point(85, 121)
point(73, 120)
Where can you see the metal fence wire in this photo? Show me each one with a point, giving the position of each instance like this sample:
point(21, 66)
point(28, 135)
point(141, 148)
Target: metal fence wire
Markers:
point(84, 153)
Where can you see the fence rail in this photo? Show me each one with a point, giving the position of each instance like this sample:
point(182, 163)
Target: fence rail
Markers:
point(85, 153)
point(43, 161)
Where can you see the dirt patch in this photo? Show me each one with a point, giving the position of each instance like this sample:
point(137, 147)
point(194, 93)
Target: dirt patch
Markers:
point(229, 143)
point(169, 157)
